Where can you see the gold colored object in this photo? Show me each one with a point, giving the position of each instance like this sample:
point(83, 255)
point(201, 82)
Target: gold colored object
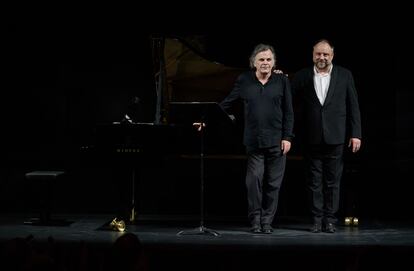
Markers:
point(118, 225)
point(351, 221)
point(355, 221)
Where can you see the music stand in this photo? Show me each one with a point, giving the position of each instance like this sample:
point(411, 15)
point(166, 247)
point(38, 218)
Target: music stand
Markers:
point(186, 113)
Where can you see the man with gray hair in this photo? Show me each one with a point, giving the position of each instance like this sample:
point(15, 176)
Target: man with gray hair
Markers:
point(268, 131)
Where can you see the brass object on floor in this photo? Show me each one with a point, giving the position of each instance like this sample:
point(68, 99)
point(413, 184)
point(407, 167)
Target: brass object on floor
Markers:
point(118, 225)
point(355, 221)
point(351, 221)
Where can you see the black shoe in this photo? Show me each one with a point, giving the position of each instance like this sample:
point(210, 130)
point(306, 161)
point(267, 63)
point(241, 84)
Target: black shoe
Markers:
point(316, 227)
point(267, 229)
point(255, 229)
point(330, 228)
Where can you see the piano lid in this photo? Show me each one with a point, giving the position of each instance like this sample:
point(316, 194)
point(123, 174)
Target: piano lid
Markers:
point(192, 77)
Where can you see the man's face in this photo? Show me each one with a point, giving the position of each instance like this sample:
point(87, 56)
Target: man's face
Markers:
point(264, 61)
point(322, 55)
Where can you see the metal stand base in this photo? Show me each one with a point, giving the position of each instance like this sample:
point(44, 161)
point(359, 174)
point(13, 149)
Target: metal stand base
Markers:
point(199, 231)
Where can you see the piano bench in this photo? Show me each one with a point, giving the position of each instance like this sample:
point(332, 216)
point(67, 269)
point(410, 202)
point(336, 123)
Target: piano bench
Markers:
point(45, 180)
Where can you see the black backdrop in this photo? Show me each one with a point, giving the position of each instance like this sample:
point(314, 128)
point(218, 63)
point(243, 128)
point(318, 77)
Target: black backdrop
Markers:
point(63, 79)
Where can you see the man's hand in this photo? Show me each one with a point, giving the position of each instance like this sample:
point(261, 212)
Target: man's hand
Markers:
point(285, 146)
point(355, 144)
point(199, 125)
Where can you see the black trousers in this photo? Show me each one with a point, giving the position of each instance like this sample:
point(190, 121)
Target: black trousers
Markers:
point(324, 171)
point(265, 171)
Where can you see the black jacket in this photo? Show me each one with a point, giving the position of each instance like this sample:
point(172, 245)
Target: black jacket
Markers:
point(339, 118)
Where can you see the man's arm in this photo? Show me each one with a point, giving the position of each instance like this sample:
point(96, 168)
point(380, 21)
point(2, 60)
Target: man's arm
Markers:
point(288, 115)
point(354, 116)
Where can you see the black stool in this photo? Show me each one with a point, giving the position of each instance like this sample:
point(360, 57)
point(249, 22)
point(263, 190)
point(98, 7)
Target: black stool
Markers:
point(45, 180)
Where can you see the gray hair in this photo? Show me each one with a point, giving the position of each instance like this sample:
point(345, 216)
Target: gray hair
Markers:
point(324, 41)
point(258, 49)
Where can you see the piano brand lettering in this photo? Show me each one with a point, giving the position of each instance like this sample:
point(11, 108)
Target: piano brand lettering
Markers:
point(127, 150)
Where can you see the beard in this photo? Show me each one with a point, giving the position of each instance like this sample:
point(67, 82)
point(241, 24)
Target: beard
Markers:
point(322, 64)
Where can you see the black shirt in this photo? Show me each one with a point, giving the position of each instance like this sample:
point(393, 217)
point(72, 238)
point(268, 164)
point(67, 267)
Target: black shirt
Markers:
point(268, 110)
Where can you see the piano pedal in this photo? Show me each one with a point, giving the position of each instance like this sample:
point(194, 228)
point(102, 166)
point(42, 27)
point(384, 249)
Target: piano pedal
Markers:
point(132, 215)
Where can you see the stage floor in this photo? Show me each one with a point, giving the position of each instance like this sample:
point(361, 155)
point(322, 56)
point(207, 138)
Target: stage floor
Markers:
point(373, 244)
